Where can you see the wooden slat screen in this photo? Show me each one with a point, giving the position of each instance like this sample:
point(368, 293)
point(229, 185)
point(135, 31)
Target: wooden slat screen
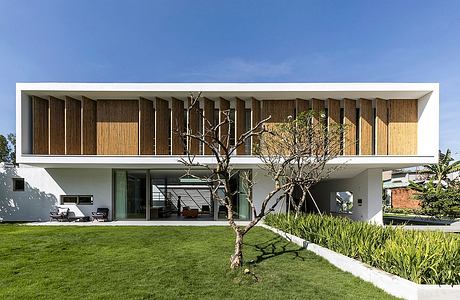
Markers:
point(56, 126)
point(278, 109)
point(302, 106)
point(349, 121)
point(118, 127)
point(40, 125)
point(402, 127)
point(381, 127)
point(365, 135)
point(72, 126)
point(162, 126)
point(208, 111)
point(89, 126)
point(177, 119)
point(146, 127)
point(317, 106)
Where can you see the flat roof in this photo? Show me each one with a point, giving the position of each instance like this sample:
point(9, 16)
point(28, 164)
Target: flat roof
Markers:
point(242, 90)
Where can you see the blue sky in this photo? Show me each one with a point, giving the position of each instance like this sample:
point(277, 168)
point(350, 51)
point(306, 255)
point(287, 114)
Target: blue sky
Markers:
point(232, 41)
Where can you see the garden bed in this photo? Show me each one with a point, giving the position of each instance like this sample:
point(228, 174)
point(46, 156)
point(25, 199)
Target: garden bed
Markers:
point(424, 258)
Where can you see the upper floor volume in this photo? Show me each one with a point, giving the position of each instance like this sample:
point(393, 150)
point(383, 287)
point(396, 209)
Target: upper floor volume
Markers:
point(141, 119)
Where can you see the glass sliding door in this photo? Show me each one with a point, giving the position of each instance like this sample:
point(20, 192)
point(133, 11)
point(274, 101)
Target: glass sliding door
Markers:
point(120, 195)
point(130, 194)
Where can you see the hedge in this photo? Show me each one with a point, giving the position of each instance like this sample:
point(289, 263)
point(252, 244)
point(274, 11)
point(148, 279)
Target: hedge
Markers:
point(420, 256)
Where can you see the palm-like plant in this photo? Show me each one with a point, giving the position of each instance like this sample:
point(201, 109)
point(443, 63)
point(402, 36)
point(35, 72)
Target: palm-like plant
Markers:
point(444, 167)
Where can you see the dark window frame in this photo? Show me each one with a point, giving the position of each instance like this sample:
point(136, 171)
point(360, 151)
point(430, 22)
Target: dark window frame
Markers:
point(62, 197)
point(15, 187)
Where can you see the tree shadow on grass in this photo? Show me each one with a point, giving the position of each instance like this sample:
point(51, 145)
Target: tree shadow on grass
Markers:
point(275, 247)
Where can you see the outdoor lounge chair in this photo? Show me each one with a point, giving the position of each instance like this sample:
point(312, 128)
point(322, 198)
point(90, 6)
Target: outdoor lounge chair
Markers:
point(60, 214)
point(102, 214)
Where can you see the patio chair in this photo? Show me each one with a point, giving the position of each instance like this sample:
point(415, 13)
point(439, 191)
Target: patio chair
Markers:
point(60, 214)
point(102, 214)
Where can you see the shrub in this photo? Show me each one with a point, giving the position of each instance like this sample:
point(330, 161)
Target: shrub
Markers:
point(443, 202)
point(406, 211)
point(420, 256)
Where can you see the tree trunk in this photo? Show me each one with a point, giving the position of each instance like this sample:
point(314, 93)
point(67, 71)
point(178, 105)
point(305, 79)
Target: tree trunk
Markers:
point(236, 260)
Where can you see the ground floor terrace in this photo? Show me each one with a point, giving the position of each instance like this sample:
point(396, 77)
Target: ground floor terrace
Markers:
point(147, 194)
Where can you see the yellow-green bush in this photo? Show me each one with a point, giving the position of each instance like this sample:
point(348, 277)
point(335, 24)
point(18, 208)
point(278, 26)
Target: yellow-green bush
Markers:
point(420, 256)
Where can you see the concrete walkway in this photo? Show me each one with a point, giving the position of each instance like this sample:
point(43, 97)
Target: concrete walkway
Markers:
point(454, 227)
point(138, 223)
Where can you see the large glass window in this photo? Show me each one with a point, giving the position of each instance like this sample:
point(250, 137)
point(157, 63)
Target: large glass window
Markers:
point(130, 194)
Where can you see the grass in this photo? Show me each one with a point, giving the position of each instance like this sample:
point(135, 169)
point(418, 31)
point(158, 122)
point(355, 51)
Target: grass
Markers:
point(163, 263)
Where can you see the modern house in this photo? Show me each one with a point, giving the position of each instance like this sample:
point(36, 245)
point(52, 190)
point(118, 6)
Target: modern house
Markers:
point(90, 145)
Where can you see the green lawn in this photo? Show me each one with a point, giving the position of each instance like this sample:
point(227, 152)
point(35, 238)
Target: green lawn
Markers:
point(163, 262)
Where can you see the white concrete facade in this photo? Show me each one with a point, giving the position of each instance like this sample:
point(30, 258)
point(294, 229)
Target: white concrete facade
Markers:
point(48, 177)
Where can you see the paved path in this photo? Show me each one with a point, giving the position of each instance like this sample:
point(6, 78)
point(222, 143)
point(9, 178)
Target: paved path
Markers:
point(138, 223)
point(454, 227)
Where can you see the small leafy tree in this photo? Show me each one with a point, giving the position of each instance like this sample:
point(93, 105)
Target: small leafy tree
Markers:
point(439, 195)
point(8, 148)
point(215, 136)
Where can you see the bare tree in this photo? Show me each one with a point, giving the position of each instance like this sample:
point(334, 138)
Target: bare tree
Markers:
point(307, 143)
point(215, 136)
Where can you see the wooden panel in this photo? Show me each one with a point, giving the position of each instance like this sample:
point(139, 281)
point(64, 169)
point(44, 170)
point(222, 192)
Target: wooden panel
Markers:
point(349, 121)
point(162, 127)
point(333, 122)
point(56, 126)
point(381, 126)
point(208, 111)
point(302, 106)
point(146, 127)
point(318, 106)
point(118, 127)
point(89, 126)
point(278, 109)
point(72, 126)
point(365, 127)
point(40, 125)
point(224, 108)
point(255, 118)
point(177, 115)
point(194, 127)
point(402, 127)
point(239, 124)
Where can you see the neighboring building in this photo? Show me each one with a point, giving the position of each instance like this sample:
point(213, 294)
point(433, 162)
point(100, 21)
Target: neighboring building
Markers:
point(90, 145)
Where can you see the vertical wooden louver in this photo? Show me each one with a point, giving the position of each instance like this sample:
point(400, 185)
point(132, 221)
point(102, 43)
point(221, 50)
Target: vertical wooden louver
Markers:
point(381, 127)
point(333, 123)
point(40, 122)
point(117, 127)
point(162, 126)
point(72, 126)
point(255, 119)
point(402, 127)
point(240, 124)
point(56, 126)
point(349, 121)
point(224, 108)
point(89, 126)
point(208, 111)
point(194, 126)
point(177, 125)
point(146, 127)
point(365, 128)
